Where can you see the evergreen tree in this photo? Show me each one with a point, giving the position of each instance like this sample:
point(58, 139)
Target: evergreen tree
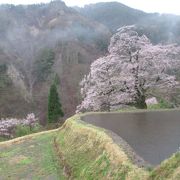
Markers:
point(54, 105)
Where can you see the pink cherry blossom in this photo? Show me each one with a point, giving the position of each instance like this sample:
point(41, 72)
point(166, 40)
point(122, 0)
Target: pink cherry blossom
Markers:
point(123, 77)
point(8, 124)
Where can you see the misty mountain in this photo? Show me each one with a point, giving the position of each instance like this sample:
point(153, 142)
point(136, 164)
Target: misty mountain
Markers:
point(158, 27)
point(39, 42)
point(112, 14)
point(43, 41)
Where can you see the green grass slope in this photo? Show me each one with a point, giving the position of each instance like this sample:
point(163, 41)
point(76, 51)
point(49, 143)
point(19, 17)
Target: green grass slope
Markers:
point(32, 157)
point(76, 151)
point(89, 153)
point(169, 169)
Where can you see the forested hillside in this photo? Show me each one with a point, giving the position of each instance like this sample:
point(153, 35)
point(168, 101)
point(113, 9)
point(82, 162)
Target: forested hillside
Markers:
point(158, 27)
point(39, 42)
point(116, 68)
point(43, 41)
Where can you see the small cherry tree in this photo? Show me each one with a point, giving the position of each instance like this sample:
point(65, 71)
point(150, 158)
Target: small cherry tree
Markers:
point(123, 77)
point(9, 124)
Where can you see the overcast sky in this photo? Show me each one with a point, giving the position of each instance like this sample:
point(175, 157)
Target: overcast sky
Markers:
point(161, 6)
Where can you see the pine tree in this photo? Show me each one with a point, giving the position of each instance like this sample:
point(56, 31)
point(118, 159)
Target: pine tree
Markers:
point(54, 105)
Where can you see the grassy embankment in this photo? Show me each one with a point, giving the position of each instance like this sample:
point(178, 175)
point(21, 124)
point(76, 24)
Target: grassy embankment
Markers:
point(75, 151)
point(30, 157)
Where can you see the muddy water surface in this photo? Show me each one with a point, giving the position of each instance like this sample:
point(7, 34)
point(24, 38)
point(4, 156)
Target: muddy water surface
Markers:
point(154, 136)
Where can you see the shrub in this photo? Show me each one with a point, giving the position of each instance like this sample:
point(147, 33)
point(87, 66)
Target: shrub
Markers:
point(22, 130)
point(163, 104)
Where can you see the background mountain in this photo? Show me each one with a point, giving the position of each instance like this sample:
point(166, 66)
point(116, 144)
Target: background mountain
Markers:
point(43, 41)
point(112, 14)
point(39, 42)
point(158, 27)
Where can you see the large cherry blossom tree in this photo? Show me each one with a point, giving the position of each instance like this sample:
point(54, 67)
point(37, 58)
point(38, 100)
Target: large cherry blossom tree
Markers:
point(123, 77)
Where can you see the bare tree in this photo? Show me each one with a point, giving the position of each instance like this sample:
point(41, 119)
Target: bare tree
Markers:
point(23, 46)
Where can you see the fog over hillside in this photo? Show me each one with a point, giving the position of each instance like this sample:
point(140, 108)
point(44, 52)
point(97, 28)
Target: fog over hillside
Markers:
point(89, 92)
point(158, 27)
point(27, 34)
point(39, 42)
